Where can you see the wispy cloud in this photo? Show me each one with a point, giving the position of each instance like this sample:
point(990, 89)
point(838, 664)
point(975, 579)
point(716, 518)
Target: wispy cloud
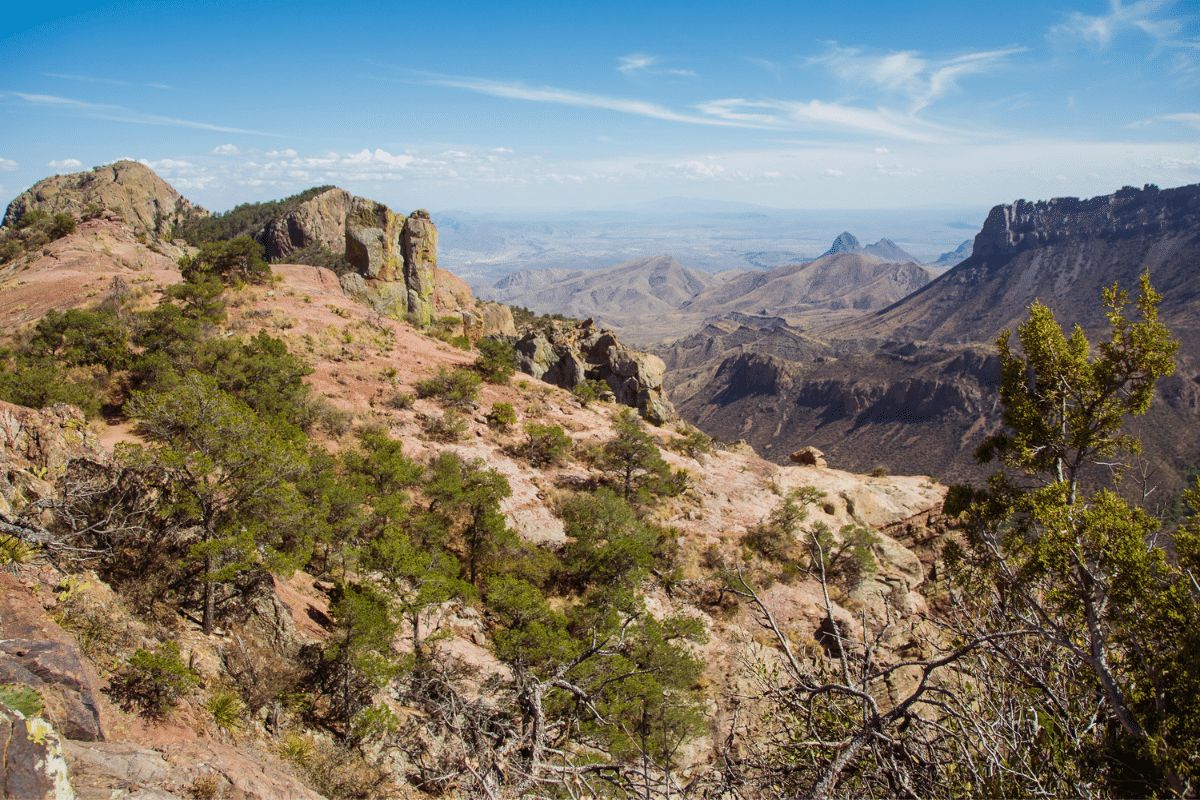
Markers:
point(908, 73)
point(116, 113)
point(1154, 18)
point(1189, 118)
point(7, 165)
point(566, 97)
point(794, 114)
point(226, 150)
point(640, 63)
point(772, 68)
point(96, 79)
point(65, 163)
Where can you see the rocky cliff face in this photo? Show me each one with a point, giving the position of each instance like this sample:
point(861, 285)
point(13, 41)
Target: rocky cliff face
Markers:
point(394, 258)
point(320, 221)
point(127, 188)
point(566, 355)
point(1150, 211)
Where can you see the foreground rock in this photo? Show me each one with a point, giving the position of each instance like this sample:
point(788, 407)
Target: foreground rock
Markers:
point(32, 766)
point(566, 355)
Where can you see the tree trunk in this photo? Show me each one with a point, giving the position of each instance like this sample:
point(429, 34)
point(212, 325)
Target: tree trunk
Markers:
point(210, 589)
point(210, 596)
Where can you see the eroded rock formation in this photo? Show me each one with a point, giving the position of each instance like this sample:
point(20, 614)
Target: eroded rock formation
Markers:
point(567, 355)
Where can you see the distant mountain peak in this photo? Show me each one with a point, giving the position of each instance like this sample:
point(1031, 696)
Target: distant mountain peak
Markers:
point(889, 251)
point(846, 242)
point(956, 256)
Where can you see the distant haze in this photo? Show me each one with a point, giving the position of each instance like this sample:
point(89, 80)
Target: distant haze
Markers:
point(481, 248)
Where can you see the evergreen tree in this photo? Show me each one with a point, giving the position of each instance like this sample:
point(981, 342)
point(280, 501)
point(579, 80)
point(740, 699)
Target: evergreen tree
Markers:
point(225, 473)
point(631, 456)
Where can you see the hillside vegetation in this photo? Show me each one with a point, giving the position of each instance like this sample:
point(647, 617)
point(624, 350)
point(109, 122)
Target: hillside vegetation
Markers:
point(329, 555)
point(245, 219)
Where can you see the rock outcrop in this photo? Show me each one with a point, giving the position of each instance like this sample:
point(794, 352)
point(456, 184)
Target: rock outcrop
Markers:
point(419, 241)
point(318, 221)
point(35, 446)
point(129, 189)
point(566, 355)
point(394, 259)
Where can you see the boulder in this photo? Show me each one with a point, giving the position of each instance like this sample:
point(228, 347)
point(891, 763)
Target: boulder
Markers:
point(36, 652)
point(809, 456)
point(56, 670)
point(496, 319)
point(171, 770)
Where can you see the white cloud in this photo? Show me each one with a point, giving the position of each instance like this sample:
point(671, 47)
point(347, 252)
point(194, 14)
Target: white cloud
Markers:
point(169, 164)
point(699, 169)
point(7, 165)
point(117, 113)
point(65, 163)
point(566, 97)
point(1153, 18)
point(286, 153)
point(908, 73)
point(226, 150)
point(101, 80)
point(819, 114)
point(640, 63)
point(830, 172)
point(378, 156)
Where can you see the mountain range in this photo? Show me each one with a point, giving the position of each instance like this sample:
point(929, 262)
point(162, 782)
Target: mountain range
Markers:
point(652, 300)
point(912, 386)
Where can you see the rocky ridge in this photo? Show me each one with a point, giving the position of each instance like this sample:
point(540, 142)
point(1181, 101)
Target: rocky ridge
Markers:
point(129, 189)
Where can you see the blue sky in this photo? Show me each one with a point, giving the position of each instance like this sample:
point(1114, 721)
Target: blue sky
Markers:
point(524, 106)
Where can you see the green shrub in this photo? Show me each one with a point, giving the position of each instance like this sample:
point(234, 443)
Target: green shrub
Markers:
point(458, 388)
point(39, 384)
point(692, 443)
point(591, 390)
point(22, 698)
point(79, 337)
point(502, 417)
point(497, 360)
point(238, 260)
point(449, 427)
point(61, 225)
point(152, 682)
point(401, 401)
point(546, 445)
point(227, 709)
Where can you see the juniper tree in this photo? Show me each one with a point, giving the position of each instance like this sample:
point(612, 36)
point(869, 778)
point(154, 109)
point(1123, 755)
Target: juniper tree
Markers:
point(225, 473)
